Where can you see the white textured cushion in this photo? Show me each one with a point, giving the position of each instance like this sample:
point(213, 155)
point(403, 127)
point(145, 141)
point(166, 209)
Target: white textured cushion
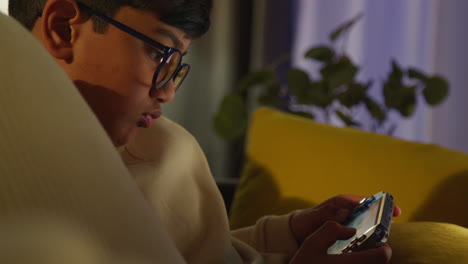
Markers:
point(57, 161)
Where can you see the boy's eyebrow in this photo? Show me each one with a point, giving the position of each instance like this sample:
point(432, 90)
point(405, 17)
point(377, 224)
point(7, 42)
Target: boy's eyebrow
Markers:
point(173, 37)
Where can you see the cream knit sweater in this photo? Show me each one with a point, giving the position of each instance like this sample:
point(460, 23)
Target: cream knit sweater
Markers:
point(171, 170)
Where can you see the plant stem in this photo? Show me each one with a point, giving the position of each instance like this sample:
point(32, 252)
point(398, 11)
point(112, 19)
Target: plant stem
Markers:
point(327, 115)
point(278, 61)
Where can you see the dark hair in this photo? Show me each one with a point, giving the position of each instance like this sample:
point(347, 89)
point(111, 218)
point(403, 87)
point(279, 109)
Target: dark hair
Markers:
point(191, 16)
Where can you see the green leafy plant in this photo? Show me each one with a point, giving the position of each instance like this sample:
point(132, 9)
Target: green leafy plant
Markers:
point(337, 93)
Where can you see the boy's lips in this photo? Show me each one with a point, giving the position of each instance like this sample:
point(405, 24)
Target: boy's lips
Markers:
point(146, 119)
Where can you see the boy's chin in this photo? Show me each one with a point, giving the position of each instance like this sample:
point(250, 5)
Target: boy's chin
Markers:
point(119, 142)
point(123, 138)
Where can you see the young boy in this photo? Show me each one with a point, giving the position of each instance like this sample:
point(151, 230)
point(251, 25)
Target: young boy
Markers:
point(125, 58)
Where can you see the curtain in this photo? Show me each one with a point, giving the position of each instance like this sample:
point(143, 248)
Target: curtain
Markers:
point(426, 34)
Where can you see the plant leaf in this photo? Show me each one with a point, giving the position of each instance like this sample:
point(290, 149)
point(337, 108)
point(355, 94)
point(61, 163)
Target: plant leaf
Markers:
point(408, 101)
point(375, 110)
point(299, 84)
point(323, 96)
point(344, 27)
point(346, 119)
point(354, 95)
point(397, 72)
point(321, 53)
point(271, 97)
point(389, 93)
point(393, 87)
point(436, 90)
point(317, 94)
point(340, 73)
point(269, 100)
point(415, 74)
point(303, 114)
point(230, 121)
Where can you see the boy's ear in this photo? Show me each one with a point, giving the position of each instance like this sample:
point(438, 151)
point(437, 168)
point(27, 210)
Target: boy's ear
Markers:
point(59, 26)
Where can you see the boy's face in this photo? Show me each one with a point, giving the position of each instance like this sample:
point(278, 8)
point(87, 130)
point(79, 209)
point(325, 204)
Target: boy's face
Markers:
point(113, 71)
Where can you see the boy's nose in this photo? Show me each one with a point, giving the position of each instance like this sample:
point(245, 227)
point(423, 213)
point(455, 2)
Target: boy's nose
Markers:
point(164, 95)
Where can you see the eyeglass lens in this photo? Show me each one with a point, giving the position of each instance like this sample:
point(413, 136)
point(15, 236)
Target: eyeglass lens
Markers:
point(167, 69)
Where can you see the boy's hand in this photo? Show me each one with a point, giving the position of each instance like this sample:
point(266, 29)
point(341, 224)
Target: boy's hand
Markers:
point(314, 249)
point(305, 222)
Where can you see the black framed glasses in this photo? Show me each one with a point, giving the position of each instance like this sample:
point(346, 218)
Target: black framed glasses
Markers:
point(170, 65)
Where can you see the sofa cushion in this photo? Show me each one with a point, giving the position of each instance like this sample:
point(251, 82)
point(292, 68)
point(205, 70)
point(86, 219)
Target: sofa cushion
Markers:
point(57, 161)
point(294, 163)
point(428, 243)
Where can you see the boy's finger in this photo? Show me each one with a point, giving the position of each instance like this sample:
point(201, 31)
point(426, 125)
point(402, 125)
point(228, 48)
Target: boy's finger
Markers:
point(327, 235)
point(346, 201)
point(396, 211)
point(379, 255)
point(349, 202)
point(326, 213)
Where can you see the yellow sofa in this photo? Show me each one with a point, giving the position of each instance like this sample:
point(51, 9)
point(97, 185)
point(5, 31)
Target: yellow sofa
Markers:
point(293, 163)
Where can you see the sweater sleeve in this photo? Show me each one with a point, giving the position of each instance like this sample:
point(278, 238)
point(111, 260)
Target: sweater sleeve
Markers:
point(272, 237)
